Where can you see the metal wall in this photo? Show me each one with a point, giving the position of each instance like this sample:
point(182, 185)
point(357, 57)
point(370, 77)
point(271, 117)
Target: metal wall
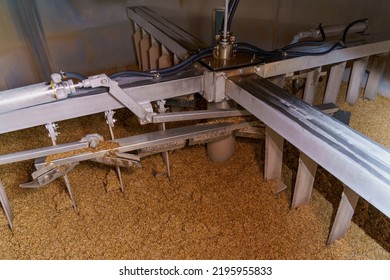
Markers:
point(38, 37)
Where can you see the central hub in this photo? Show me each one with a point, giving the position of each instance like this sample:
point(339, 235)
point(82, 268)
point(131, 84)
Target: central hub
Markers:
point(224, 48)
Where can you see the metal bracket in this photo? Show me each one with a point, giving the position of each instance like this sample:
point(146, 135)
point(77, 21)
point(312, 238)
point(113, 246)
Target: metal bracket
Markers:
point(119, 160)
point(53, 133)
point(103, 80)
point(52, 174)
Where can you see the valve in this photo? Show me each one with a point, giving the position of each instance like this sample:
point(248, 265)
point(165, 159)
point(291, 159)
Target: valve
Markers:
point(62, 88)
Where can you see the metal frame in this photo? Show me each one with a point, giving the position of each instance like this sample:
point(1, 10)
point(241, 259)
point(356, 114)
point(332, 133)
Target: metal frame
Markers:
point(360, 163)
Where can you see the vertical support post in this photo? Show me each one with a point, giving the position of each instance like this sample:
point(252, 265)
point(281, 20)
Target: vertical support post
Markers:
point(305, 179)
point(279, 80)
point(344, 214)
point(334, 82)
point(274, 157)
point(154, 54)
point(166, 58)
point(145, 45)
point(375, 67)
point(311, 85)
point(176, 59)
point(358, 70)
point(137, 37)
point(5, 205)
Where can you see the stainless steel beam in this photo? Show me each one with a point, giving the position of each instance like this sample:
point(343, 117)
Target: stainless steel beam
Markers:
point(376, 46)
point(167, 33)
point(158, 138)
point(360, 163)
point(96, 103)
point(42, 152)
point(198, 115)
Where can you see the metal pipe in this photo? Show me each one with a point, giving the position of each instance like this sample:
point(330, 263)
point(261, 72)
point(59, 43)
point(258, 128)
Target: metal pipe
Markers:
point(225, 22)
point(37, 94)
point(335, 30)
point(24, 97)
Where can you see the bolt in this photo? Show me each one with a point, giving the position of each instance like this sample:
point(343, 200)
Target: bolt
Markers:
point(149, 117)
point(104, 81)
point(93, 144)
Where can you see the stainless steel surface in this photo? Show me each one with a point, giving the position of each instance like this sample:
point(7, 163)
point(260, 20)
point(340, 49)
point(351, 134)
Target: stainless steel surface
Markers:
point(100, 102)
point(333, 30)
point(311, 85)
point(235, 61)
point(128, 102)
point(168, 34)
point(5, 205)
point(117, 162)
point(198, 115)
point(334, 82)
point(172, 135)
point(348, 202)
point(126, 144)
point(375, 68)
point(109, 115)
point(17, 98)
point(305, 179)
point(369, 47)
point(357, 161)
point(226, 19)
point(42, 152)
point(358, 70)
point(274, 158)
point(222, 149)
point(49, 176)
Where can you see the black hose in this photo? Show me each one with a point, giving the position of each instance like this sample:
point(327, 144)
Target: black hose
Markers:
point(169, 70)
point(131, 74)
point(364, 20)
point(72, 75)
point(247, 46)
point(232, 11)
point(185, 63)
point(297, 54)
